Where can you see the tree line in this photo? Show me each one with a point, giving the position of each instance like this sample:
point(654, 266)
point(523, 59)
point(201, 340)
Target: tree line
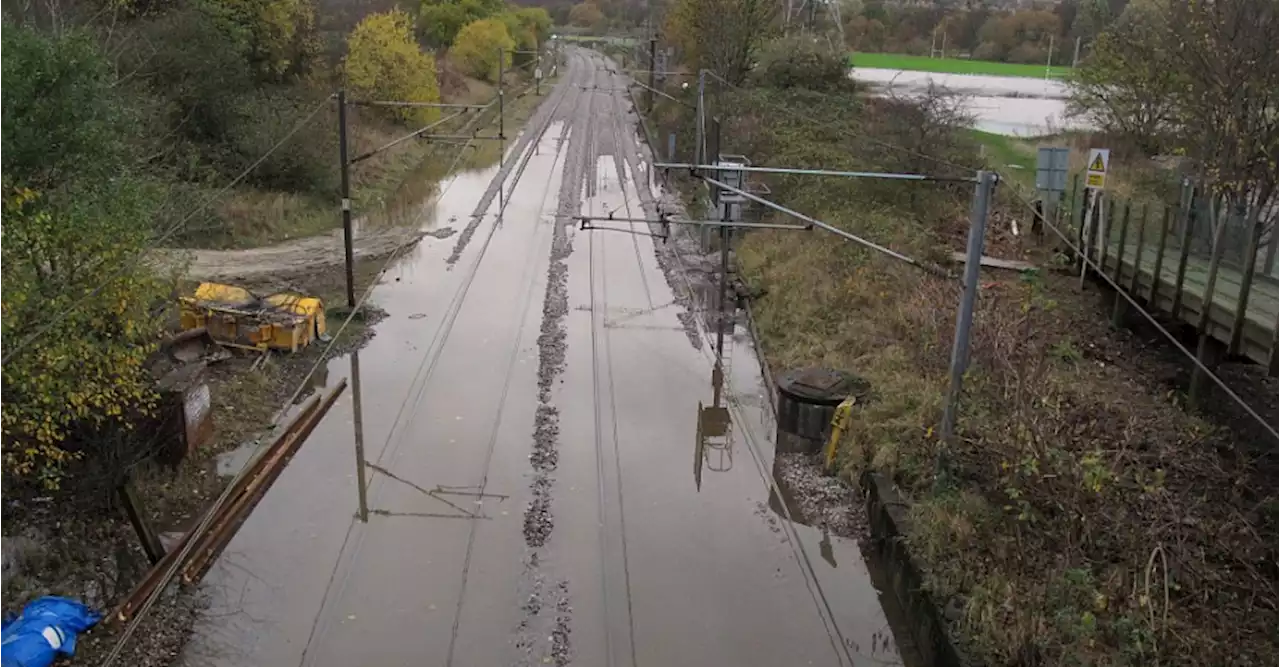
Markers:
point(124, 122)
point(979, 30)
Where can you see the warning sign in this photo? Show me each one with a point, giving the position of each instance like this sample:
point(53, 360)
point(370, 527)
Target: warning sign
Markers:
point(1096, 175)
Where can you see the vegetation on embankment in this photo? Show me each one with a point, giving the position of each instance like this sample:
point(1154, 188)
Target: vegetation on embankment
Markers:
point(954, 65)
point(1083, 516)
point(192, 124)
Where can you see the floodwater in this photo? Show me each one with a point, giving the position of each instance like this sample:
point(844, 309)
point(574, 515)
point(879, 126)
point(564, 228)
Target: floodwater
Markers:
point(529, 415)
point(1009, 105)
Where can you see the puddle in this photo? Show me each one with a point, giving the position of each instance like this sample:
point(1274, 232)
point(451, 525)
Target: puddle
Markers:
point(1008, 105)
point(232, 462)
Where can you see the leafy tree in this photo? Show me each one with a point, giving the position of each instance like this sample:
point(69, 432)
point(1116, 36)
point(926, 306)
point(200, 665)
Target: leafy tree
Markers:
point(863, 34)
point(1018, 37)
point(76, 298)
point(440, 21)
point(586, 15)
point(1196, 77)
point(722, 35)
point(1125, 84)
point(479, 47)
point(279, 35)
point(305, 163)
point(535, 19)
point(801, 61)
point(199, 62)
point(384, 61)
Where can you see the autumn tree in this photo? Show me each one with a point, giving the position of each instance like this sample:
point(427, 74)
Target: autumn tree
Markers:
point(528, 28)
point(77, 315)
point(481, 46)
point(536, 20)
point(384, 61)
point(280, 35)
point(586, 15)
point(439, 21)
point(722, 35)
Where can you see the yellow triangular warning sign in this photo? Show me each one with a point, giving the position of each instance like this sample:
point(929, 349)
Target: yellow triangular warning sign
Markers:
point(1097, 165)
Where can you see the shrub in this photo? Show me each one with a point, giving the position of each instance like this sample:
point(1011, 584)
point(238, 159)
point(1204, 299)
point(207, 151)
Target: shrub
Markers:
point(801, 62)
point(307, 162)
point(476, 50)
point(384, 61)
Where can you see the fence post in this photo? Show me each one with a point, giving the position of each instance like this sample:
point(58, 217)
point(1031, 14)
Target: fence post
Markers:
point(1141, 249)
point(964, 316)
point(1205, 347)
point(1157, 272)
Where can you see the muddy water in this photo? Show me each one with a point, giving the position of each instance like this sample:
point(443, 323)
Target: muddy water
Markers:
point(267, 590)
point(529, 412)
point(1009, 105)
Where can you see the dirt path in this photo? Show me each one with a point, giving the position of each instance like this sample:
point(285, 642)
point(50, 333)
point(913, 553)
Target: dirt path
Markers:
point(295, 257)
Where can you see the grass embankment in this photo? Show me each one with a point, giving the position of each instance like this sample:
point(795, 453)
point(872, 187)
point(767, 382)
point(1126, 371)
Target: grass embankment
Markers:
point(954, 65)
point(1085, 518)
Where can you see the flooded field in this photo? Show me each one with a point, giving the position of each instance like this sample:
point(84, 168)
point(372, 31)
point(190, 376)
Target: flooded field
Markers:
point(1014, 106)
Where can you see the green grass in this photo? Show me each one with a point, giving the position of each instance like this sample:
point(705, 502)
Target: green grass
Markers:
point(952, 65)
point(1009, 155)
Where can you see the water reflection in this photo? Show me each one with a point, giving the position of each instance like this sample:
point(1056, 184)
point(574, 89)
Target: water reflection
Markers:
point(714, 449)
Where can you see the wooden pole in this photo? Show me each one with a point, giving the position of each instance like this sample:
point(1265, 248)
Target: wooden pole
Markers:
point(1156, 272)
point(141, 524)
point(1188, 222)
point(1246, 280)
point(1205, 344)
point(1137, 258)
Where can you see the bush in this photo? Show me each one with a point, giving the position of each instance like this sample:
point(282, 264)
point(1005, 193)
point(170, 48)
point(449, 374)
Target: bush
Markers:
point(200, 66)
point(476, 50)
point(75, 222)
point(384, 62)
point(305, 163)
point(439, 21)
point(801, 62)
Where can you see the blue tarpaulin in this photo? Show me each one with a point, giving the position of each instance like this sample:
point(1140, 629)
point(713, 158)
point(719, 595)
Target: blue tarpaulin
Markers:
point(46, 627)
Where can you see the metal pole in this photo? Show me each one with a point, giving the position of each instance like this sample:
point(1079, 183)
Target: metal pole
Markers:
point(537, 79)
point(653, 57)
point(964, 318)
point(346, 198)
point(501, 119)
point(724, 284)
point(815, 172)
point(699, 150)
point(362, 483)
point(1048, 63)
point(1075, 58)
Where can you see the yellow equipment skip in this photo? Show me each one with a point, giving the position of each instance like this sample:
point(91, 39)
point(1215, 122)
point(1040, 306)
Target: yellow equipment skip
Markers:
point(839, 424)
point(235, 316)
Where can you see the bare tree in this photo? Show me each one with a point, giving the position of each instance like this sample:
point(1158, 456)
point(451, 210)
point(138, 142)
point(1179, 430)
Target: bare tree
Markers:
point(722, 35)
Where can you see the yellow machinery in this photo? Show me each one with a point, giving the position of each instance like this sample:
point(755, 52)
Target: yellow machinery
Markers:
point(839, 424)
point(235, 316)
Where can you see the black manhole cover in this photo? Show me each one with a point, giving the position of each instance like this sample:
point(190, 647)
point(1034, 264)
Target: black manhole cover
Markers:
point(824, 386)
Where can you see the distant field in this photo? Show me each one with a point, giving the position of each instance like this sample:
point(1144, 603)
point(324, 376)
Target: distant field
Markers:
point(951, 65)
